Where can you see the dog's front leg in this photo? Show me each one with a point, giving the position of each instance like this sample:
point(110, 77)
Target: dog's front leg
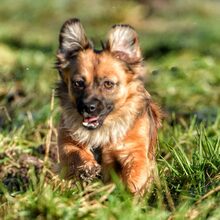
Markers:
point(76, 160)
point(137, 171)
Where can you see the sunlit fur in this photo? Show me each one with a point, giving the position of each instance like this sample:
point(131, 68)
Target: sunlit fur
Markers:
point(128, 134)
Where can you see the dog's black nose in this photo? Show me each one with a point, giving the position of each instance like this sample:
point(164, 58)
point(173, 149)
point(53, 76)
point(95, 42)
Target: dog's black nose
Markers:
point(91, 106)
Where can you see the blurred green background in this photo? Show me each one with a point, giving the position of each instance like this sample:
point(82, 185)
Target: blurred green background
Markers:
point(180, 41)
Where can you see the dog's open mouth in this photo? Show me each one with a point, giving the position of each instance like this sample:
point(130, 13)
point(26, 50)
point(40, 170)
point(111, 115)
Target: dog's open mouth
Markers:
point(91, 122)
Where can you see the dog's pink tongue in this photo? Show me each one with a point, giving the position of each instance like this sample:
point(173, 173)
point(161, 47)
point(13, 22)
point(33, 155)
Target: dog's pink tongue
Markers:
point(91, 119)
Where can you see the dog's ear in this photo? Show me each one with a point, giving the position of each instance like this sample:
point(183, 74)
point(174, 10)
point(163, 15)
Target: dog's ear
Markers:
point(72, 39)
point(123, 43)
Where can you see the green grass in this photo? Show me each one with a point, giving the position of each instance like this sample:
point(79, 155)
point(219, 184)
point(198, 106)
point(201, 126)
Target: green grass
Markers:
point(180, 42)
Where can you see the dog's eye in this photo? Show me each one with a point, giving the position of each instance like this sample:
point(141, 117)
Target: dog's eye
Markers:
point(109, 84)
point(79, 84)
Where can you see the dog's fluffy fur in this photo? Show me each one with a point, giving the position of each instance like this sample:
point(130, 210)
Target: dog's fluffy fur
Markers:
point(126, 137)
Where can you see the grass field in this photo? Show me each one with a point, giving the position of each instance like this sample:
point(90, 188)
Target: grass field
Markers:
point(180, 42)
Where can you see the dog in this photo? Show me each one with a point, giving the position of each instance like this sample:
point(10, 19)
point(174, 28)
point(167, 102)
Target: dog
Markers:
point(109, 121)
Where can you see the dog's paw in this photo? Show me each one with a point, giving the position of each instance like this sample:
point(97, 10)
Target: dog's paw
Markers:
point(89, 171)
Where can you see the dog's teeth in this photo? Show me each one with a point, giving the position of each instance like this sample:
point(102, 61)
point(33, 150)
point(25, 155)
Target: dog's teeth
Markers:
point(85, 124)
point(90, 125)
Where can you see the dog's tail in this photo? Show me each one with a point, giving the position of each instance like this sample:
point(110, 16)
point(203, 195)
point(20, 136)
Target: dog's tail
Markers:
point(155, 115)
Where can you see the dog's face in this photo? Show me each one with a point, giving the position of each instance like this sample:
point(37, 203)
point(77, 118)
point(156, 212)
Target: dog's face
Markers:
point(98, 83)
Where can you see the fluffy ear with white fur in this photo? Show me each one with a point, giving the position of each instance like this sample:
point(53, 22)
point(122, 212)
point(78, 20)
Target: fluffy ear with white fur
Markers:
point(72, 39)
point(123, 43)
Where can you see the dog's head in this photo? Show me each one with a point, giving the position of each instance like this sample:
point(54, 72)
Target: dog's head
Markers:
point(97, 83)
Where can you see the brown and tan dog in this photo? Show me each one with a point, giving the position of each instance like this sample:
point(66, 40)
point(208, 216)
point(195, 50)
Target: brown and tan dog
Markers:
point(105, 108)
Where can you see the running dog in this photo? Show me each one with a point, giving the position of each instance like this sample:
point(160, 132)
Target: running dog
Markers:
point(105, 108)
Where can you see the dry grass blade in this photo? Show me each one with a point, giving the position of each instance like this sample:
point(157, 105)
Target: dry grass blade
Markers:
point(108, 192)
point(4, 109)
point(169, 198)
point(208, 194)
point(94, 191)
point(50, 123)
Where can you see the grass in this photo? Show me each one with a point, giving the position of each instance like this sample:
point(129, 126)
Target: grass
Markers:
point(180, 42)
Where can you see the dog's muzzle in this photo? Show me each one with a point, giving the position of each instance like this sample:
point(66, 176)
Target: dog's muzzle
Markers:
point(94, 111)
